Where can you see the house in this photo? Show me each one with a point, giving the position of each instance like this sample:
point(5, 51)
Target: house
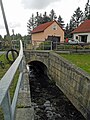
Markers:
point(48, 31)
point(82, 32)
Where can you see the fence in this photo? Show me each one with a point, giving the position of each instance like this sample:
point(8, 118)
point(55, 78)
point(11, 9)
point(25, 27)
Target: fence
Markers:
point(50, 45)
point(5, 100)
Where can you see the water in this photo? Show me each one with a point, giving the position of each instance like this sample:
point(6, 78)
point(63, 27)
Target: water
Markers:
point(49, 102)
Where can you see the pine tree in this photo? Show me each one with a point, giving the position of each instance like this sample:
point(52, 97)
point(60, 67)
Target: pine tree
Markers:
point(71, 27)
point(52, 15)
point(77, 17)
point(67, 31)
point(87, 11)
point(31, 24)
point(38, 19)
point(45, 18)
point(60, 21)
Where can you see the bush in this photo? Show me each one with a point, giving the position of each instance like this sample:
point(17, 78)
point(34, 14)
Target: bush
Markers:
point(46, 45)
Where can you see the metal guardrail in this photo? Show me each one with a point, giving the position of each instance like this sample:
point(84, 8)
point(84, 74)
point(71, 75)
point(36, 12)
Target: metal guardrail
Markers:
point(5, 101)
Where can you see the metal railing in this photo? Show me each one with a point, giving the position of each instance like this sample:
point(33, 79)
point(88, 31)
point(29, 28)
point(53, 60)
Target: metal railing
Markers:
point(5, 101)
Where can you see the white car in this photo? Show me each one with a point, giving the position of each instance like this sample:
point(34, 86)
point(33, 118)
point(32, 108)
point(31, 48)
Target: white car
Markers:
point(75, 42)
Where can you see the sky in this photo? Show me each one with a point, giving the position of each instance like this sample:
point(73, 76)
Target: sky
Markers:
point(18, 12)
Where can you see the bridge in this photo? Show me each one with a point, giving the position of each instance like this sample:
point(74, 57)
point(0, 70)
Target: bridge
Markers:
point(71, 80)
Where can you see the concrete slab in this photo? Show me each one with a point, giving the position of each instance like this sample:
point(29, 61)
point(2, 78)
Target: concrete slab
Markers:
point(25, 114)
point(24, 111)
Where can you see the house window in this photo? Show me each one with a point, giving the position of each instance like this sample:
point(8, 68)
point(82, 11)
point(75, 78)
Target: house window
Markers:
point(76, 37)
point(84, 38)
point(54, 27)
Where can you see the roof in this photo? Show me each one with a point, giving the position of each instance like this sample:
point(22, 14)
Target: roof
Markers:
point(83, 27)
point(42, 27)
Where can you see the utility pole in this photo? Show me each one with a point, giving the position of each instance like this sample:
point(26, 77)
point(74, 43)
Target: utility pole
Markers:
point(4, 17)
point(6, 26)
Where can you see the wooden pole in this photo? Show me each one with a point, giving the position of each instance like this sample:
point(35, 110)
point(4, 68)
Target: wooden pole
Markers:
point(4, 17)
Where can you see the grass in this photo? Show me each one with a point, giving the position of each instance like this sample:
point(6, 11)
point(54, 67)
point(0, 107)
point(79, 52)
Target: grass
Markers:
point(7, 65)
point(81, 60)
point(14, 83)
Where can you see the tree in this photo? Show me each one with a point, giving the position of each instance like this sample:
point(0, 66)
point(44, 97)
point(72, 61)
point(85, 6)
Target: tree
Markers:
point(60, 21)
point(88, 17)
point(27, 38)
point(18, 36)
point(1, 37)
point(7, 38)
point(52, 15)
point(69, 28)
point(67, 31)
point(45, 18)
point(87, 11)
point(38, 19)
point(77, 17)
point(31, 24)
point(7, 41)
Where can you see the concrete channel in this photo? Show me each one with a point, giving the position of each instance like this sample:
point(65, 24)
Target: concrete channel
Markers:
point(48, 101)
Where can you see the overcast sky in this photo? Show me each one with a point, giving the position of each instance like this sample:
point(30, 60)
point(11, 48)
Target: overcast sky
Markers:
point(18, 12)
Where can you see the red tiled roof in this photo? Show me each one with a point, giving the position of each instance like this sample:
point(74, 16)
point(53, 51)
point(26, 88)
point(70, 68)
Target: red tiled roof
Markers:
point(84, 27)
point(42, 27)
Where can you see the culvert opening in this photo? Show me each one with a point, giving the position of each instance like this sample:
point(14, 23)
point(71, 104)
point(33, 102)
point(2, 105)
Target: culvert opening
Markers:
point(38, 67)
point(48, 101)
point(38, 71)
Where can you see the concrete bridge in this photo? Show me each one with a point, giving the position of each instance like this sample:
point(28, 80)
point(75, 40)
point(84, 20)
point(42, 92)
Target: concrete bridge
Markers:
point(71, 80)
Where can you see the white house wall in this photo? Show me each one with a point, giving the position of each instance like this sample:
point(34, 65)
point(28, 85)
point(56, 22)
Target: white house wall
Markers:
point(77, 34)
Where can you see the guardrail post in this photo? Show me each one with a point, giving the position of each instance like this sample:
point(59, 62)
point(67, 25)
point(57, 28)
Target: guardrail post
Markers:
point(6, 106)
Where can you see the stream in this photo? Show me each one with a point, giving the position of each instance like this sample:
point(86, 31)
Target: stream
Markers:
point(48, 101)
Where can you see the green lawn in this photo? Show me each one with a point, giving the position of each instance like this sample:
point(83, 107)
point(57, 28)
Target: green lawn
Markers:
point(13, 85)
point(81, 60)
point(7, 65)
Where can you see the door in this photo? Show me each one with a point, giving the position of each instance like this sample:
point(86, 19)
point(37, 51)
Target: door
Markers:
point(55, 40)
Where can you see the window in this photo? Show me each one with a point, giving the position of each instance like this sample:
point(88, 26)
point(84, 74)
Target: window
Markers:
point(84, 38)
point(76, 37)
point(54, 27)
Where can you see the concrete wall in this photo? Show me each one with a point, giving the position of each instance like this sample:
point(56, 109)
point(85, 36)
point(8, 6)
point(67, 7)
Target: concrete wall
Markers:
point(73, 81)
point(41, 56)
